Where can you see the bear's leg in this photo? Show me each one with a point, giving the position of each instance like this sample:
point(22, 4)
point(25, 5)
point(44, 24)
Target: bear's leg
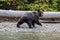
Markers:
point(37, 22)
point(19, 23)
point(29, 23)
point(33, 24)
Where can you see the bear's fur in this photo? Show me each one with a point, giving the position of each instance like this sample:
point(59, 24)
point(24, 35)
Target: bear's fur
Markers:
point(30, 18)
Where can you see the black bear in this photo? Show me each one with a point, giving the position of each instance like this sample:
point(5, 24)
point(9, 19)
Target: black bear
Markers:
point(30, 18)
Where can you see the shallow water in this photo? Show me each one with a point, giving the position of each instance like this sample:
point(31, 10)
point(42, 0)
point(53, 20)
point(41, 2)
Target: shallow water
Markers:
point(47, 27)
point(49, 31)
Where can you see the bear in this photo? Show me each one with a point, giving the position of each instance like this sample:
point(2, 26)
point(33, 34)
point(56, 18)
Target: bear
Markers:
point(31, 18)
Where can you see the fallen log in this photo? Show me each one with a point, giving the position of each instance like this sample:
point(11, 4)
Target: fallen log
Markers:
point(51, 15)
point(12, 13)
point(17, 13)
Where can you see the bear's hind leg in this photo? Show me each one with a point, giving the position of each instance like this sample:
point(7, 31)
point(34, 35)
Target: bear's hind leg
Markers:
point(33, 24)
point(29, 23)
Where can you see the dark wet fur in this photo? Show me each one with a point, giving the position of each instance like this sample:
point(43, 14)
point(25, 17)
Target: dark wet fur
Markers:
point(30, 18)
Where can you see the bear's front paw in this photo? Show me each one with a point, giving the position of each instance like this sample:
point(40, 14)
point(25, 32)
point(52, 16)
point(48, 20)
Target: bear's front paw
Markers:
point(18, 26)
point(40, 24)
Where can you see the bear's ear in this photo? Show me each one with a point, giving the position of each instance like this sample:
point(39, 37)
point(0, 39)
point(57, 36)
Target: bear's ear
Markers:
point(38, 10)
point(34, 12)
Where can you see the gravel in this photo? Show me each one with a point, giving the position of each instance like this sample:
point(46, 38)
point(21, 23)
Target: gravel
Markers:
point(47, 27)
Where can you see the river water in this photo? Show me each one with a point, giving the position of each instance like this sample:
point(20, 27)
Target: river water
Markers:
point(47, 27)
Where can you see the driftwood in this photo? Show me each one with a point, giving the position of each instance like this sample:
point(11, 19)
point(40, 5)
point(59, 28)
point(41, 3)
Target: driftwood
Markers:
point(12, 13)
point(17, 13)
point(9, 15)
